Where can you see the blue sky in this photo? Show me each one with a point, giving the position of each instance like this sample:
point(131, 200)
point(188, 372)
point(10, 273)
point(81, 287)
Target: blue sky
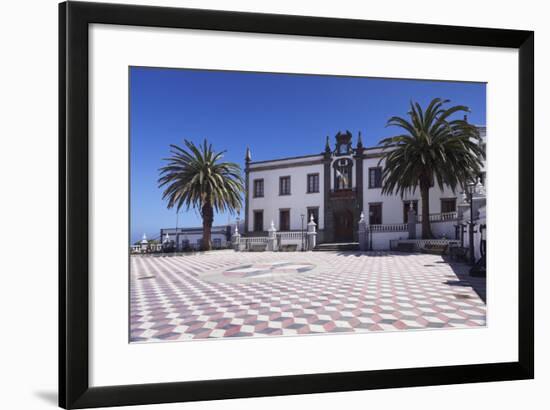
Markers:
point(277, 115)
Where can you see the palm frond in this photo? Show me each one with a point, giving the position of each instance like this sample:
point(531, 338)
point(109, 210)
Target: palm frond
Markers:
point(434, 147)
point(195, 176)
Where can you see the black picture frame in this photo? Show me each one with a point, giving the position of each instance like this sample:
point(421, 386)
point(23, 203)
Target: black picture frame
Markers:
point(74, 387)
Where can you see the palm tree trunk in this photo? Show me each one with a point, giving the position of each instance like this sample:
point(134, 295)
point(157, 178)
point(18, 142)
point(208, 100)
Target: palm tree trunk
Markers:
point(207, 220)
point(425, 195)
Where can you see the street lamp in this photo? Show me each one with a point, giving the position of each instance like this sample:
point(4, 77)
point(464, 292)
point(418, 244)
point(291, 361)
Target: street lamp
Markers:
point(472, 188)
point(302, 216)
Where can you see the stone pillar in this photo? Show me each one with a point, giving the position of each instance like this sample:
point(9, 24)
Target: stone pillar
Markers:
point(363, 234)
point(461, 209)
point(479, 202)
point(236, 239)
point(328, 226)
point(358, 183)
point(311, 234)
point(144, 244)
point(272, 235)
point(247, 160)
point(411, 217)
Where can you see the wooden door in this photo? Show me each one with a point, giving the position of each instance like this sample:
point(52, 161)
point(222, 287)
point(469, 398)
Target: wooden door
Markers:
point(343, 226)
point(284, 220)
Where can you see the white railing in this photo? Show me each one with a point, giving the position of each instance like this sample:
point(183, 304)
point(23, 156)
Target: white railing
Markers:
point(291, 238)
point(281, 240)
point(253, 239)
point(249, 242)
point(152, 247)
point(442, 217)
point(423, 243)
point(388, 228)
point(285, 235)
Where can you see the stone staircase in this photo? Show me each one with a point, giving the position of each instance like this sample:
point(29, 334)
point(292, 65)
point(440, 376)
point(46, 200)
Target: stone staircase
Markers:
point(337, 247)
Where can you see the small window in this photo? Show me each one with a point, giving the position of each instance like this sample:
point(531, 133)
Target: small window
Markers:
point(284, 220)
point(258, 221)
point(375, 177)
point(284, 186)
point(312, 183)
point(448, 205)
point(375, 214)
point(258, 188)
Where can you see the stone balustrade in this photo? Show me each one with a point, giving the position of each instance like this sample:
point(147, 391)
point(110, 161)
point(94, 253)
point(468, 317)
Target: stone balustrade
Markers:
point(277, 241)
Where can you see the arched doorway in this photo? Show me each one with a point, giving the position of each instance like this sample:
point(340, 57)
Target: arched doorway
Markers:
point(343, 226)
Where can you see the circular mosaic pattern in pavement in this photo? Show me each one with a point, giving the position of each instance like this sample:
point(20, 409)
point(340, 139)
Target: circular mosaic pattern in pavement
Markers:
point(260, 272)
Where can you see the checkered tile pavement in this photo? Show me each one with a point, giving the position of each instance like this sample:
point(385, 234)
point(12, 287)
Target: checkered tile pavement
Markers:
point(349, 292)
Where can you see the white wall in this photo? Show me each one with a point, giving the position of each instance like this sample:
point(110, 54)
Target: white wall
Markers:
point(29, 88)
point(195, 237)
point(439, 229)
point(381, 240)
point(298, 201)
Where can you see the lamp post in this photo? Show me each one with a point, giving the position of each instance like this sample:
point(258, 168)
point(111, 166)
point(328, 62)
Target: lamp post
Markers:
point(483, 241)
point(236, 237)
point(302, 216)
point(471, 189)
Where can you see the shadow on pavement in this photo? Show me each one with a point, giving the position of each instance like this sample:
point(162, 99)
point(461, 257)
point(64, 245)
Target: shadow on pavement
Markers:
point(461, 270)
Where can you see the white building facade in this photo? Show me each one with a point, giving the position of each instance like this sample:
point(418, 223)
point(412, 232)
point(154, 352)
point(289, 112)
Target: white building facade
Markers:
point(334, 186)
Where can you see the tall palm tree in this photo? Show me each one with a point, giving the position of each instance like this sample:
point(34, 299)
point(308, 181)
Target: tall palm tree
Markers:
point(433, 148)
point(196, 177)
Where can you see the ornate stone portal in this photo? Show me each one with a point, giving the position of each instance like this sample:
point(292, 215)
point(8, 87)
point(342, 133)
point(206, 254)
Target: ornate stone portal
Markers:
point(343, 182)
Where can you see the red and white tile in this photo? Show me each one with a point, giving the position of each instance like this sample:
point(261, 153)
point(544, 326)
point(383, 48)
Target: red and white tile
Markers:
point(228, 294)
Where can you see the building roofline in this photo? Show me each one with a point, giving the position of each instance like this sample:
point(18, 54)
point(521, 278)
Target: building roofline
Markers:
point(199, 228)
point(377, 147)
point(321, 154)
point(286, 158)
point(304, 157)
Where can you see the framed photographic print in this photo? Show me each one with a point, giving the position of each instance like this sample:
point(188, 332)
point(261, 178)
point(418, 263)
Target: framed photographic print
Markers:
point(256, 204)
